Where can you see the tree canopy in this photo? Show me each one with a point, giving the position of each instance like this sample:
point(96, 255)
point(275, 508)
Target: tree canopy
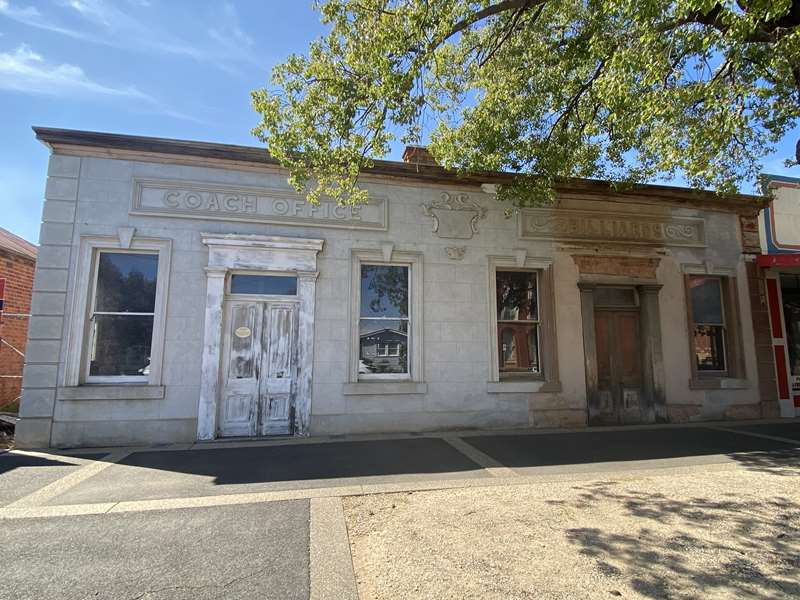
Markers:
point(625, 90)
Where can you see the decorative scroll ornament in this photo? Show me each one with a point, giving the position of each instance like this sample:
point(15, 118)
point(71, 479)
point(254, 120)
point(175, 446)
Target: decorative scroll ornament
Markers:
point(455, 216)
point(455, 252)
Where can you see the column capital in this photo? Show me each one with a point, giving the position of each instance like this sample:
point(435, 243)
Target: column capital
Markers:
point(649, 288)
point(215, 272)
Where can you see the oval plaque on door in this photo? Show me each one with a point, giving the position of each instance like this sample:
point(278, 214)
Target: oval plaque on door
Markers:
point(242, 332)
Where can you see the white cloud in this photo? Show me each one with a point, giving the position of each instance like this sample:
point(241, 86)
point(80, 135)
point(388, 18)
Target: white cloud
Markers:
point(23, 70)
point(105, 23)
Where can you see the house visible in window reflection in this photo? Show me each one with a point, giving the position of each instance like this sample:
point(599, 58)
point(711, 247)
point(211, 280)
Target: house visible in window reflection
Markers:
point(383, 351)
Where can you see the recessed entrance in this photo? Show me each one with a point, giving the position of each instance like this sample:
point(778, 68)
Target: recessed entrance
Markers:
point(622, 351)
point(619, 363)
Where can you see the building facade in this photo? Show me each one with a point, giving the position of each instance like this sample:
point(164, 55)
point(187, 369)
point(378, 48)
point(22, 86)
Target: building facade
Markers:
point(17, 264)
point(779, 232)
point(186, 293)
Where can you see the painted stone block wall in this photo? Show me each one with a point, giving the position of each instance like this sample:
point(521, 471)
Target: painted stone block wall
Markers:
point(92, 196)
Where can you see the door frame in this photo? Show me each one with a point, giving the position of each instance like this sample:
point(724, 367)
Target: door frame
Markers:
point(653, 401)
point(229, 253)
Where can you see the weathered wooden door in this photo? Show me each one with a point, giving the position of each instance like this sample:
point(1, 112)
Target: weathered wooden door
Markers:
point(619, 368)
point(259, 369)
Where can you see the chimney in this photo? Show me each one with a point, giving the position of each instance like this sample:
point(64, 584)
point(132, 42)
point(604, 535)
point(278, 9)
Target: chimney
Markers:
point(418, 155)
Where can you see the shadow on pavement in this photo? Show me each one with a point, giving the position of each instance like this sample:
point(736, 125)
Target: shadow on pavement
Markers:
point(335, 460)
point(522, 451)
point(11, 460)
point(428, 457)
point(714, 547)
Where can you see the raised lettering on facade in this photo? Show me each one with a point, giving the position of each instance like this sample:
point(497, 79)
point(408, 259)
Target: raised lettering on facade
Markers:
point(565, 224)
point(262, 205)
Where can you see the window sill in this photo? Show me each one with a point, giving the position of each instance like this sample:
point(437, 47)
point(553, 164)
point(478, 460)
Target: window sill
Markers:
point(530, 386)
point(123, 391)
point(718, 383)
point(381, 388)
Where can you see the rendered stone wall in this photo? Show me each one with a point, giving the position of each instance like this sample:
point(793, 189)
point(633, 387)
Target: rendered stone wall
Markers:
point(97, 193)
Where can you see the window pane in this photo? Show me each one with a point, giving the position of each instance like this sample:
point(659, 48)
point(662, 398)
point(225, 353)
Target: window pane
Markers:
point(709, 347)
point(121, 345)
point(126, 282)
point(516, 296)
point(614, 296)
point(706, 300)
point(263, 284)
point(384, 291)
point(790, 292)
point(383, 346)
point(518, 347)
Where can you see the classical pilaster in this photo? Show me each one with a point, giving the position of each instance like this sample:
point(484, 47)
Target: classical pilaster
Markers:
point(212, 343)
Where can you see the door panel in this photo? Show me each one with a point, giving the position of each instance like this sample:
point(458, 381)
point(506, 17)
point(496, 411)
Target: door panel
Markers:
point(257, 391)
point(619, 368)
point(241, 348)
point(279, 368)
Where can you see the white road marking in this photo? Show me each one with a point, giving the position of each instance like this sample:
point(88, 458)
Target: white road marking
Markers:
point(68, 482)
point(493, 467)
point(330, 561)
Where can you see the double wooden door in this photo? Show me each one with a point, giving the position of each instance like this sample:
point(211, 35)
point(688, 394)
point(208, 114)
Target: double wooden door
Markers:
point(259, 368)
point(619, 367)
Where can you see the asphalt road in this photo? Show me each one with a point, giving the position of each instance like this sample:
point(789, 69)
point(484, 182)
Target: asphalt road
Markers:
point(249, 551)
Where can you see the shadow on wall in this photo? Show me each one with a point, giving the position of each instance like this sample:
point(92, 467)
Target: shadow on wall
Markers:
point(700, 547)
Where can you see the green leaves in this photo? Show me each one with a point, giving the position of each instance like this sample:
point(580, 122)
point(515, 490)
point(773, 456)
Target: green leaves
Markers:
point(628, 90)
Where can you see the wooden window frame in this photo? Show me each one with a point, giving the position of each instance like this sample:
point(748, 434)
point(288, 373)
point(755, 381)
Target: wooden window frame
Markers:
point(92, 311)
point(732, 335)
point(412, 260)
point(78, 337)
point(547, 379)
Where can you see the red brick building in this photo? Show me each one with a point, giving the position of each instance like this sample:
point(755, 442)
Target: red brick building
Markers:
point(17, 264)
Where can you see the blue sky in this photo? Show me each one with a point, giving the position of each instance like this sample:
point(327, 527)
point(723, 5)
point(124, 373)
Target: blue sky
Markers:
point(177, 68)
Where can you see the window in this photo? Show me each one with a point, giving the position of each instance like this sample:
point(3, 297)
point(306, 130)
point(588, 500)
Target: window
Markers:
point(121, 316)
point(518, 321)
point(264, 285)
point(708, 323)
point(384, 321)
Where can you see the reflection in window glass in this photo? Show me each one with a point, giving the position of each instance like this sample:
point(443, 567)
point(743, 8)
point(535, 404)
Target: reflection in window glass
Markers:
point(708, 319)
point(384, 319)
point(706, 300)
point(517, 321)
point(264, 285)
point(121, 323)
point(383, 346)
point(790, 293)
point(384, 291)
point(517, 296)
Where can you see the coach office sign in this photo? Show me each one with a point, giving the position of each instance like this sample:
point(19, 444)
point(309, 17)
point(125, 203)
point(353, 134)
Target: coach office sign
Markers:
point(578, 225)
point(260, 205)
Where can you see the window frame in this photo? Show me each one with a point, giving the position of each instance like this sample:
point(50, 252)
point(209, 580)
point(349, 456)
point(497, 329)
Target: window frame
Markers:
point(382, 257)
point(90, 337)
point(78, 336)
point(536, 323)
point(732, 334)
point(547, 379)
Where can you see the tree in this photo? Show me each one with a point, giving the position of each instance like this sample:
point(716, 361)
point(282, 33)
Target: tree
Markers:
point(626, 90)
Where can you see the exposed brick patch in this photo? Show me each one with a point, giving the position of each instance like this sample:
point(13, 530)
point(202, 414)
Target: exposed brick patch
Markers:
point(18, 273)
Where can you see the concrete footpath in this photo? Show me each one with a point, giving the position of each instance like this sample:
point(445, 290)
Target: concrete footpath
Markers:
point(265, 518)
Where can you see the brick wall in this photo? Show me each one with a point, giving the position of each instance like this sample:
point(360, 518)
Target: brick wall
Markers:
point(18, 272)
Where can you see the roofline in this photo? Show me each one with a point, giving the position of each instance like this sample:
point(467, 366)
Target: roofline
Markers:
point(56, 139)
